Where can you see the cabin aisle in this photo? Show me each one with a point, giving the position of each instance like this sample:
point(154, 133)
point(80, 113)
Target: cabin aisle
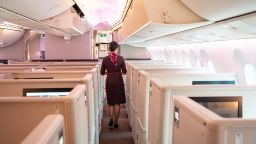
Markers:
point(121, 135)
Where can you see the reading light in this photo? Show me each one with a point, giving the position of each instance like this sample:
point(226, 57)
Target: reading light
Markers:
point(10, 26)
point(67, 37)
point(225, 26)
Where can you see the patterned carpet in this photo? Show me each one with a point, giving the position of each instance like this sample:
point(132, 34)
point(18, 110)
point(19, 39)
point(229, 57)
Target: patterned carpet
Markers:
point(121, 135)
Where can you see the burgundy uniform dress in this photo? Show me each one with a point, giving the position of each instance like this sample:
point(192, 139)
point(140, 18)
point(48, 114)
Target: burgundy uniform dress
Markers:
point(114, 82)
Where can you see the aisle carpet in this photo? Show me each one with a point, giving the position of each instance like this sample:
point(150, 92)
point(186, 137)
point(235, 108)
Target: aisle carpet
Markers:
point(121, 135)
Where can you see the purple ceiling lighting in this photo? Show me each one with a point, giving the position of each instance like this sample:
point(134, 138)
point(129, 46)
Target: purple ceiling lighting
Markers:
point(104, 13)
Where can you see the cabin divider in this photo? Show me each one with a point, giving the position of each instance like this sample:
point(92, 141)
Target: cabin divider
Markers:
point(181, 78)
point(49, 130)
point(161, 106)
point(195, 124)
point(99, 98)
point(20, 115)
point(15, 88)
point(133, 95)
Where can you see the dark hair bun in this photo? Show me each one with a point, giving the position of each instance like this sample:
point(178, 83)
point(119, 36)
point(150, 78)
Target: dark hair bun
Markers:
point(113, 46)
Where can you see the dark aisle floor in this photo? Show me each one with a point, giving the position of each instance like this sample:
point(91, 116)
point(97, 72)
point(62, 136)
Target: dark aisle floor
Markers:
point(121, 135)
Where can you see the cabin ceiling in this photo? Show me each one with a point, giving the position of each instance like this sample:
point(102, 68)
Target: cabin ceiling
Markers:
point(151, 23)
point(105, 12)
point(48, 16)
point(58, 17)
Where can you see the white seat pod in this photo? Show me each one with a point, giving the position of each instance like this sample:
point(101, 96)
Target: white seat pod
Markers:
point(22, 114)
point(195, 124)
point(161, 106)
point(133, 94)
point(49, 130)
point(181, 78)
point(15, 88)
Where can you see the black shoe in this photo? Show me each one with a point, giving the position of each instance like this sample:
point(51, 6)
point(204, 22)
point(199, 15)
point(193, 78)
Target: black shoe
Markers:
point(116, 125)
point(111, 123)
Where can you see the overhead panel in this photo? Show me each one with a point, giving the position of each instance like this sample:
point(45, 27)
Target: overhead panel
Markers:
point(56, 17)
point(37, 9)
point(148, 19)
point(29, 23)
point(11, 33)
point(69, 22)
point(154, 30)
point(242, 27)
point(216, 10)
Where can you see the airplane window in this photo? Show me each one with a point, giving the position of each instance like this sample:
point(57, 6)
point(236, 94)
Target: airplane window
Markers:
point(174, 61)
point(152, 53)
point(211, 68)
point(155, 54)
point(159, 55)
point(168, 55)
point(165, 55)
point(171, 58)
point(198, 64)
point(250, 74)
point(162, 54)
point(185, 61)
point(178, 59)
point(184, 58)
point(188, 63)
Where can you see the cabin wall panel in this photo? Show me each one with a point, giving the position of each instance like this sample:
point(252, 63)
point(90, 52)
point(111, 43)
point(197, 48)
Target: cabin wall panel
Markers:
point(13, 52)
point(134, 52)
point(78, 47)
point(35, 48)
point(222, 54)
point(222, 58)
point(75, 48)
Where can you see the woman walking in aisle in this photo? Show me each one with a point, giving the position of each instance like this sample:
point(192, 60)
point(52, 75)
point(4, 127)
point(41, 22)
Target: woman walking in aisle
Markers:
point(114, 66)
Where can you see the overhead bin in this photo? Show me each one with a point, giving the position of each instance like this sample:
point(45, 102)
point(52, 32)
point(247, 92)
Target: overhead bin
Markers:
point(11, 35)
point(243, 27)
point(148, 19)
point(69, 22)
point(37, 10)
point(221, 9)
point(57, 17)
point(12, 17)
point(168, 22)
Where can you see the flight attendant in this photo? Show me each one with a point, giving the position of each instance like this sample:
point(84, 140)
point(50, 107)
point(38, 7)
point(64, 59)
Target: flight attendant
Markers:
point(114, 66)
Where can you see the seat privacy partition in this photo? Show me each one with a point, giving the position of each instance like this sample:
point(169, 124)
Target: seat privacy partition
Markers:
point(49, 130)
point(132, 82)
point(14, 69)
point(133, 94)
point(20, 115)
point(49, 74)
point(129, 66)
point(161, 106)
point(33, 66)
point(59, 70)
point(180, 78)
point(195, 124)
point(65, 63)
point(14, 88)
